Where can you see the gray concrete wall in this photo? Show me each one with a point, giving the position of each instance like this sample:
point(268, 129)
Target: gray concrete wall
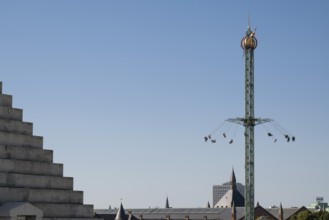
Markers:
point(20, 140)
point(28, 167)
point(35, 181)
point(17, 127)
point(66, 210)
point(6, 100)
point(25, 153)
point(49, 218)
point(40, 195)
point(11, 113)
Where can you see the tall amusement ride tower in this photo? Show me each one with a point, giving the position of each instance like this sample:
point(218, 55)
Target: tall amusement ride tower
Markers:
point(249, 44)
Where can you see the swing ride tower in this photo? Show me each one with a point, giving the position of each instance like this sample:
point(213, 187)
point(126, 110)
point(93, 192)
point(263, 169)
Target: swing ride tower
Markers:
point(249, 44)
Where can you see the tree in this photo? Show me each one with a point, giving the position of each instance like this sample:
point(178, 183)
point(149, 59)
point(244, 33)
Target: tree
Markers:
point(303, 215)
point(308, 215)
point(323, 215)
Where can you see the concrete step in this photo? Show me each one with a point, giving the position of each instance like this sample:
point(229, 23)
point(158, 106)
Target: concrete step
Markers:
point(69, 218)
point(26, 153)
point(18, 127)
point(35, 181)
point(51, 210)
point(6, 100)
point(11, 113)
point(29, 167)
point(20, 140)
point(40, 195)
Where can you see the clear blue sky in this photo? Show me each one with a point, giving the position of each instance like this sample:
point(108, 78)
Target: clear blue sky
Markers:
point(124, 91)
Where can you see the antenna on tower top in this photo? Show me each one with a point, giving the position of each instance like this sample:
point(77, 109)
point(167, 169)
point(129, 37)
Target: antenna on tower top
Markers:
point(248, 21)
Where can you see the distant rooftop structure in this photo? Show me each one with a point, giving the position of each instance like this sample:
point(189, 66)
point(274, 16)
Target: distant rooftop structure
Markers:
point(219, 191)
point(232, 197)
point(232, 213)
point(319, 205)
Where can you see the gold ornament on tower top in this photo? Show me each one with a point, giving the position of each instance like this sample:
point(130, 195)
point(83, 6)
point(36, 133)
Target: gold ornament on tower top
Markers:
point(249, 41)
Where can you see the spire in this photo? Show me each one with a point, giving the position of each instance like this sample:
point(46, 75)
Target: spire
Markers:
point(280, 212)
point(167, 203)
point(121, 215)
point(232, 195)
point(233, 180)
point(208, 205)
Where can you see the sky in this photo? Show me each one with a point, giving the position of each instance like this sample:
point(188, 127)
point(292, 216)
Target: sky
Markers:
point(123, 92)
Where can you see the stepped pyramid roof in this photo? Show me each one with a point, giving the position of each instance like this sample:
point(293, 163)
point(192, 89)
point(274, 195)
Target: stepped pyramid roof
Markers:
point(29, 177)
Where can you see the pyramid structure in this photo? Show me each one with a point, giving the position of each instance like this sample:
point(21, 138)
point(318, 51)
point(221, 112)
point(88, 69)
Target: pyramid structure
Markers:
point(28, 174)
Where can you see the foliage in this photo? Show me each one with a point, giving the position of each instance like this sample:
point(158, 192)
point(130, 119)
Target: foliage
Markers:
point(308, 215)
